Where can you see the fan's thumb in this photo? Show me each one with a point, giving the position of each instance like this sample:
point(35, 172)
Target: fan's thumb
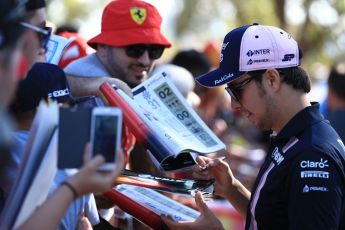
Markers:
point(200, 203)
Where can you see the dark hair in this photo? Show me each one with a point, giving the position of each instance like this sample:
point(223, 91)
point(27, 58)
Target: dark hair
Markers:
point(66, 28)
point(194, 61)
point(336, 82)
point(11, 12)
point(297, 77)
point(35, 4)
point(10, 34)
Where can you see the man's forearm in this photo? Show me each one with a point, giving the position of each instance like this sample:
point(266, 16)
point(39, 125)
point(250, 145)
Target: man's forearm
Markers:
point(89, 86)
point(50, 213)
point(85, 86)
point(239, 197)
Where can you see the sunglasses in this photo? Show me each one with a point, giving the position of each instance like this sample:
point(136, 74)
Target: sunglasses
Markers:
point(136, 51)
point(42, 33)
point(233, 90)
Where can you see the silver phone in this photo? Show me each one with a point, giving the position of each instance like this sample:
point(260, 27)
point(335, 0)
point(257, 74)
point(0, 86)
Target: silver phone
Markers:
point(105, 135)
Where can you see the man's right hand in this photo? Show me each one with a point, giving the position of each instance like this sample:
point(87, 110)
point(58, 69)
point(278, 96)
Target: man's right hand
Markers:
point(226, 185)
point(216, 169)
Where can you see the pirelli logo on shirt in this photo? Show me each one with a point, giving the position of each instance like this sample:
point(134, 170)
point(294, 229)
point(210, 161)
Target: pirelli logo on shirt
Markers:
point(314, 174)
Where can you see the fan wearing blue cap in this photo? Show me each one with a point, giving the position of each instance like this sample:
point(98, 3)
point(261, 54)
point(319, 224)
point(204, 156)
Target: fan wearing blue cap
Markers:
point(301, 184)
point(21, 25)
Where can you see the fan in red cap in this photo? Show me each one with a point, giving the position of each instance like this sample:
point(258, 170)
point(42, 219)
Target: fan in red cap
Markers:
point(127, 47)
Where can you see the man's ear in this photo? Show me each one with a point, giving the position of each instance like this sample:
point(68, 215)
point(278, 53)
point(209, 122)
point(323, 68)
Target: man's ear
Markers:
point(273, 79)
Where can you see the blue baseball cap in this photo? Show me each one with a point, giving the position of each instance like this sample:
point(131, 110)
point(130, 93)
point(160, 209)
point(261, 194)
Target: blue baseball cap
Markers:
point(43, 81)
point(249, 48)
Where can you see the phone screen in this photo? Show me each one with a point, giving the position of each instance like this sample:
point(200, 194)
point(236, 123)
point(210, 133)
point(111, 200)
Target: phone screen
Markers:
point(105, 136)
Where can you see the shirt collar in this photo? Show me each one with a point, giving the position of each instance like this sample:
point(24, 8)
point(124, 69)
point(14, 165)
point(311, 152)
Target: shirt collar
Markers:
point(300, 121)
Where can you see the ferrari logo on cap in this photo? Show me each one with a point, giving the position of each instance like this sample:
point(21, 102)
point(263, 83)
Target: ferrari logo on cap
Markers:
point(138, 15)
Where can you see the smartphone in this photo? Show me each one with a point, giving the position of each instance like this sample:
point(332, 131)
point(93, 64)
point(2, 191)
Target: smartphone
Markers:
point(74, 133)
point(105, 134)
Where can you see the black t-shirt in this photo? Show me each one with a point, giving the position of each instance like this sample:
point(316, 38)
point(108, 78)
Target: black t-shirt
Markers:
point(301, 184)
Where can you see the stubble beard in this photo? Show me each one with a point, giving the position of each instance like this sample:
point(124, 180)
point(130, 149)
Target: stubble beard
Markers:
point(114, 69)
point(118, 72)
point(265, 121)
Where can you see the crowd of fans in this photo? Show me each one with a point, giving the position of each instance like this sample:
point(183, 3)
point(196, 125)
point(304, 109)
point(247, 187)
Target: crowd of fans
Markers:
point(124, 53)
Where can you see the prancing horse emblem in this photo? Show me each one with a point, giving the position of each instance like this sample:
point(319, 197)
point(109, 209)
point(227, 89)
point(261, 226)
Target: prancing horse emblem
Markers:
point(138, 15)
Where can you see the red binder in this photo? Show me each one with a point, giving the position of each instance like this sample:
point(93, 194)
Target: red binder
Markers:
point(142, 131)
point(135, 209)
point(130, 117)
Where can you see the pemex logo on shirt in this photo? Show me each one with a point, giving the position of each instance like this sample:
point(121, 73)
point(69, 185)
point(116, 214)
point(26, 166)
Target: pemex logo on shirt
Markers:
point(307, 189)
point(138, 15)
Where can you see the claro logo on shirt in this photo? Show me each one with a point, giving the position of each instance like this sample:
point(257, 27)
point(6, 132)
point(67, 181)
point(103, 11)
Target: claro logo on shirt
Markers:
point(314, 164)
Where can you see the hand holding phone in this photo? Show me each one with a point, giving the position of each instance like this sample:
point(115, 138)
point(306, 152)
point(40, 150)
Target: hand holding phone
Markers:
point(105, 135)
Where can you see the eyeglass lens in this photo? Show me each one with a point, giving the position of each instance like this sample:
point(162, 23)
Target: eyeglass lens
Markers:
point(232, 93)
point(233, 89)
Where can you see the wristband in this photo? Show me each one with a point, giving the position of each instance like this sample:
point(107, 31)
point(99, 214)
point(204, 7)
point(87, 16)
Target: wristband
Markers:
point(73, 190)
